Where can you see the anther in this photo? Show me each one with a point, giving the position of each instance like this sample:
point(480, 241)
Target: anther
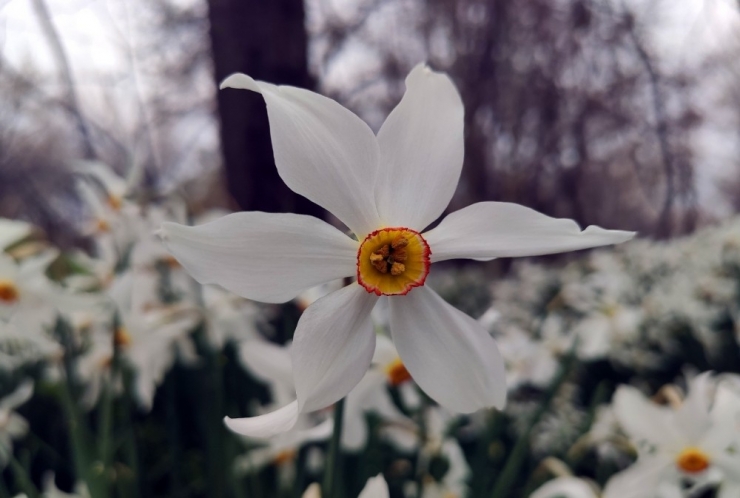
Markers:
point(692, 460)
point(390, 257)
point(8, 291)
point(397, 269)
point(379, 262)
point(399, 242)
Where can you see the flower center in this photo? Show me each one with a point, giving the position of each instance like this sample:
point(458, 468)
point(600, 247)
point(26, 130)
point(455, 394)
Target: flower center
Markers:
point(692, 460)
point(101, 225)
point(8, 291)
point(121, 338)
point(397, 373)
point(114, 202)
point(392, 261)
point(285, 456)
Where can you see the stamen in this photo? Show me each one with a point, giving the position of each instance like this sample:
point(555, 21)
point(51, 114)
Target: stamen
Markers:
point(102, 225)
point(121, 337)
point(397, 269)
point(692, 460)
point(390, 257)
point(397, 373)
point(114, 202)
point(8, 292)
point(285, 456)
point(392, 261)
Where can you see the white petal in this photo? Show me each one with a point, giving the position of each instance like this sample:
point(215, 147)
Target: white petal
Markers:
point(369, 396)
point(449, 355)
point(322, 151)
point(644, 421)
point(11, 231)
point(8, 268)
point(332, 347)
point(729, 463)
point(354, 432)
point(15, 399)
point(693, 417)
point(376, 487)
point(267, 257)
point(421, 151)
point(488, 230)
point(594, 337)
point(385, 351)
point(267, 361)
point(570, 487)
point(641, 480)
point(267, 425)
point(729, 489)
point(313, 491)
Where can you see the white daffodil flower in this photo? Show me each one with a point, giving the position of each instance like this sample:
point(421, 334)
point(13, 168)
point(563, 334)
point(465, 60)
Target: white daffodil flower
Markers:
point(30, 298)
point(20, 345)
point(692, 442)
point(528, 361)
point(230, 318)
point(150, 336)
point(12, 425)
point(371, 396)
point(270, 363)
point(51, 490)
point(12, 231)
point(565, 487)
point(387, 189)
point(376, 487)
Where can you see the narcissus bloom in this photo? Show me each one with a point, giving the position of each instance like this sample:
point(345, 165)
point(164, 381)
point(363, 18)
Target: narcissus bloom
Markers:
point(693, 444)
point(387, 189)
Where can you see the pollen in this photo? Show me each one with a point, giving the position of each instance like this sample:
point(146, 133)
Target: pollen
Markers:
point(397, 373)
point(114, 202)
point(692, 460)
point(285, 456)
point(8, 292)
point(392, 261)
point(121, 337)
point(101, 225)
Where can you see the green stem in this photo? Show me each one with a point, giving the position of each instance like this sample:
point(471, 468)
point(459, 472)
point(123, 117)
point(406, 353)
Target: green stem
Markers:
point(4, 493)
point(105, 424)
point(129, 487)
point(421, 421)
point(22, 479)
point(105, 415)
point(509, 474)
point(333, 471)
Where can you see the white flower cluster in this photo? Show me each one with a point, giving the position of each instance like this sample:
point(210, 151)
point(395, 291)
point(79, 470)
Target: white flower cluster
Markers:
point(101, 327)
point(642, 312)
point(641, 306)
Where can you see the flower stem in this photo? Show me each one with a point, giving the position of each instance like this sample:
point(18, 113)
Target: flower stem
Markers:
point(509, 474)
point(333, 469)
point(22, 479)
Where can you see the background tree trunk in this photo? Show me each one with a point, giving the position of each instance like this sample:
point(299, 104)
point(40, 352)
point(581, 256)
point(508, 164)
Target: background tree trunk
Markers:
point(268, 41)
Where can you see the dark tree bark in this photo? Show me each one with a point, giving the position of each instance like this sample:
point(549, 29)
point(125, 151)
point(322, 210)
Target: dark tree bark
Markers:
point(268, 41)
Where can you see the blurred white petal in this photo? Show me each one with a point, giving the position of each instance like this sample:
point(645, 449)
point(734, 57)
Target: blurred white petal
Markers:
point(564, 487)
point(643, 420)
point(376, 487)
point(640, 480)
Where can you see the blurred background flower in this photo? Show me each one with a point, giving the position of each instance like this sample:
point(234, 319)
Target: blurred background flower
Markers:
point(117, 368)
